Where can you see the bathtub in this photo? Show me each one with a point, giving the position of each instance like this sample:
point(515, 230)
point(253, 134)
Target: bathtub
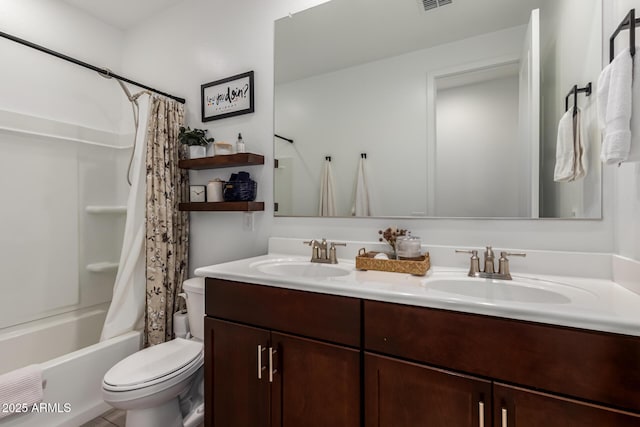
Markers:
point(73, 364)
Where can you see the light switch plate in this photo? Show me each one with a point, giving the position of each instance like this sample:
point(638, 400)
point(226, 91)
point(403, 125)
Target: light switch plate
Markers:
point(247, 221)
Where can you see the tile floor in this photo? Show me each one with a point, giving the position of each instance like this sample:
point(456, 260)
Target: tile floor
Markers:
point(111, 418)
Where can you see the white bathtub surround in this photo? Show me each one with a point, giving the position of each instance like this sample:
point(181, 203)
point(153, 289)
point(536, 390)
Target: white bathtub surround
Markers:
point(126, 312)
point(75, 378)
point(596, 302)
point(19, 389)
point(46, 339)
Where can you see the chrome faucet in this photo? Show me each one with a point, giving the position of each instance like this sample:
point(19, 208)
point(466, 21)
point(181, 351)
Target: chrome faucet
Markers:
point(319, 252)
point(489, 264)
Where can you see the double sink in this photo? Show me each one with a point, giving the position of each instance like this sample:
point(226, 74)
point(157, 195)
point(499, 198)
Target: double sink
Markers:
point(453, 283)
point(588, 303)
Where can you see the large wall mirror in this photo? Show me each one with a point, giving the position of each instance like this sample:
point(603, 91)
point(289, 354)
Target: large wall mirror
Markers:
point(455, 104)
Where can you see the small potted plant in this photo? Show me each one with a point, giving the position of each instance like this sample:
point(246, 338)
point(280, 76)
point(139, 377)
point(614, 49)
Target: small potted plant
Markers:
point(196, 140)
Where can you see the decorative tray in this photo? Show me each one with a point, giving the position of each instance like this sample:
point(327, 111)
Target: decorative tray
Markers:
point(416, 266)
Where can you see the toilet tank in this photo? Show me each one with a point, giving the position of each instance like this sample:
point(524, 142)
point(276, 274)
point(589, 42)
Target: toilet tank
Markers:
point(194, 288)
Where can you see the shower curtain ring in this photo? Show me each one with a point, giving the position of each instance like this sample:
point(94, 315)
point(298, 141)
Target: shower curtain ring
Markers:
point(106, 73)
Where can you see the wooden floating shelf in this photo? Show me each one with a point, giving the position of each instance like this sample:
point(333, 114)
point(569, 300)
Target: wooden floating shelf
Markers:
point(223, 206)
point(222, 161)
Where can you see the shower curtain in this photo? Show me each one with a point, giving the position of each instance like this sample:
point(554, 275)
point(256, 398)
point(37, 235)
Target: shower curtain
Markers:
point(167, 229)
point(126, 312)
point(156, 239)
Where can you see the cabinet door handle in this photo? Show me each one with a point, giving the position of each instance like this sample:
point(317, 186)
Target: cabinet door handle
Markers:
point(481, 414)
point(504, 417)
point(260, 367)
point(271, 369)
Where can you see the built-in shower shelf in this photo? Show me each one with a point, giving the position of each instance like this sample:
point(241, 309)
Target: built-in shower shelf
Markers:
point(223, 161)
point(97, 209)
point(102, 267)
point(223, 206)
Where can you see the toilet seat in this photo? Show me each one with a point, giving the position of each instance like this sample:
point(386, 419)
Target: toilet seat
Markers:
point(155, 365)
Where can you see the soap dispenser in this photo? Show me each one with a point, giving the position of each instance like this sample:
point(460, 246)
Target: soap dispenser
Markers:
point(240, 148)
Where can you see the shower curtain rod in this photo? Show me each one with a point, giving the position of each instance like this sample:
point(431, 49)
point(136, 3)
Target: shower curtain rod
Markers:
point(105, 72)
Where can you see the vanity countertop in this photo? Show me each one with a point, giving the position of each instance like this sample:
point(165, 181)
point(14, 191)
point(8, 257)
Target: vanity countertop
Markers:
point(594, 304)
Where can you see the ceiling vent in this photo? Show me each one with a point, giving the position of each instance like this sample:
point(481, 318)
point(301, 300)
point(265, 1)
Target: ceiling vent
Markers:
point(432, 4)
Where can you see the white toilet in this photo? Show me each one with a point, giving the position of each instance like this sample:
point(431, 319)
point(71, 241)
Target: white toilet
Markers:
point(163, 385)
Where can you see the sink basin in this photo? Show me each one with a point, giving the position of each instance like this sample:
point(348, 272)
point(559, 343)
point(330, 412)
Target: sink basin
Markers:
point(498, 290)
point(301, 269)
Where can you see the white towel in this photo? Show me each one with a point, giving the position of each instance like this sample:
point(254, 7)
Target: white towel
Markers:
point(362, 204)
point(615, 108)
point(327, 192)
point(580, 145)
point(570, 148)
point(634, 150)
point(20, 387)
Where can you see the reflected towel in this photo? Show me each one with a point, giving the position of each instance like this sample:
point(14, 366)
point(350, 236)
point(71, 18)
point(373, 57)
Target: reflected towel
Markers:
point(615, 107)
point(362, 205)
point(20, 387)
point(571, 148)
point(327, 192)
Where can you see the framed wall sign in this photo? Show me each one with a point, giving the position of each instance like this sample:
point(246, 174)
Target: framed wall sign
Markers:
point(228, 97)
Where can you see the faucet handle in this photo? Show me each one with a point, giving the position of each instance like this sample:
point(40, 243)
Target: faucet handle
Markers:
point(333, 258)
point(474, 266)
point(503, 262)
point(506, 254)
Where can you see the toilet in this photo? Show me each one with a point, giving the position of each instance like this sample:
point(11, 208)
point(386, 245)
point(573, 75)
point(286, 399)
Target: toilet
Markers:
point(163, 385)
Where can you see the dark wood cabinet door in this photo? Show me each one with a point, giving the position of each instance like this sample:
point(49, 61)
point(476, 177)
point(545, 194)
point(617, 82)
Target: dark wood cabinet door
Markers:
point(316, 384)
point(517, 407)
point(235, 396)
point(404, 394)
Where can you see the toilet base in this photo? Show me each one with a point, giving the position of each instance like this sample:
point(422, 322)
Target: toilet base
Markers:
point(167, 415)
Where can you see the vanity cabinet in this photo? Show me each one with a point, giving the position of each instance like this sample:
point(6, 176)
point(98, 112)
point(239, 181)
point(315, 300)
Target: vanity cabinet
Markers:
point(559, 370)
point(400, 393)
point(276, 357)
point(519, 407)
point(339, 361)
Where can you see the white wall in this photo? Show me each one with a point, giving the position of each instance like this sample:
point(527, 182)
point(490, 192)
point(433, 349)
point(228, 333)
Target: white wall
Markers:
point(477, 167)
point(40, 85)
point(570, 54)
point(627, 176)
point(181, 57)
point(199, 41)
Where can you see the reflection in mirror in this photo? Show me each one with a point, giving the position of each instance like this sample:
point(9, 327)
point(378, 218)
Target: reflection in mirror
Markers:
point(456, 107)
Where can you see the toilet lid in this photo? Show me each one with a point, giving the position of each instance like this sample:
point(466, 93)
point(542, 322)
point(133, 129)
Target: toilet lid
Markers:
point(153, 362)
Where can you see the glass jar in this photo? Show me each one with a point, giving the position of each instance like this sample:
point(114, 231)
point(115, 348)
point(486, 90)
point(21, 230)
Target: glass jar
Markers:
point(408, 247)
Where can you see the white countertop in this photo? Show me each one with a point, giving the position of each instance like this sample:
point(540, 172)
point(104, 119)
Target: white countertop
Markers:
point(595, 304)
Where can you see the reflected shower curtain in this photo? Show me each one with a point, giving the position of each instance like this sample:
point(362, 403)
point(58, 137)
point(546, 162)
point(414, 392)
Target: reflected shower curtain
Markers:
point(167, 228)
point(126, 312)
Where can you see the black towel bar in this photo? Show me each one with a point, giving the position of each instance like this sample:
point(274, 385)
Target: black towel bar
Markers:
point(575, 90)
point(626, 24)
